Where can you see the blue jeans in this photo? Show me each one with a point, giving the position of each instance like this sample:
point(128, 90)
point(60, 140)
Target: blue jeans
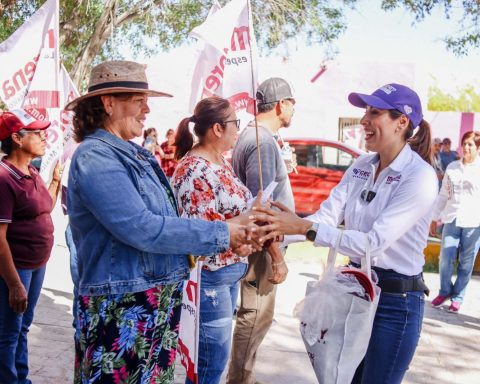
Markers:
point(218, 297)
point(14, 328)
point(467, 242)
point(75, 277)
point(395, 334)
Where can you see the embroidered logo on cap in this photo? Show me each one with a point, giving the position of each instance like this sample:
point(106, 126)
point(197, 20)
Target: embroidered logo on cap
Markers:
point(388, 89)
point(408, 110)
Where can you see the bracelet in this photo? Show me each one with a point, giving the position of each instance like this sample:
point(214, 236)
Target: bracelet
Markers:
point(277, 264)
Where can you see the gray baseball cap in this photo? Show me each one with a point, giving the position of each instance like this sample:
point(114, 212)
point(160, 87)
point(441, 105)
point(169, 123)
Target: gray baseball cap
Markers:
point(273, 90)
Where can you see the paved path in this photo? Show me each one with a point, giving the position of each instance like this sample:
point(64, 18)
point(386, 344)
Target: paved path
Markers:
point(449, 350)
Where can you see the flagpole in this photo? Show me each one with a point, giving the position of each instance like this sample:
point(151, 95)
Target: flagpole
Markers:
point(250, 30)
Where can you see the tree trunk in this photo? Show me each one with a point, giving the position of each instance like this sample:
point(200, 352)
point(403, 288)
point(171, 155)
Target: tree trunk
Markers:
point(94, 44)
point(103, 30)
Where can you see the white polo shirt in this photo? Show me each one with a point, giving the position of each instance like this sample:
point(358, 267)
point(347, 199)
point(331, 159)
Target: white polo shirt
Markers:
point(395, 222)
point(459, 197)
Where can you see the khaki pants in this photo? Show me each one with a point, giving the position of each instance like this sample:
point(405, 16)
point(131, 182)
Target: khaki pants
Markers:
point(254, 318)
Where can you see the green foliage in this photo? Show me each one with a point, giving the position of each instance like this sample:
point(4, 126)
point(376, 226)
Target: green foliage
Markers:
point(463, 100)
point(148, 26)
point(14, 13)
point(468, 20)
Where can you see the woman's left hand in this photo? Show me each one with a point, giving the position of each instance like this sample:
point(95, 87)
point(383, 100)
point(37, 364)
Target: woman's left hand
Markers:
point(57, 172)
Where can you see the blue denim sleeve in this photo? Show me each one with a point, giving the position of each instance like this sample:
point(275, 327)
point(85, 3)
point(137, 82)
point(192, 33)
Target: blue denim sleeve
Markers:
point(105, 188)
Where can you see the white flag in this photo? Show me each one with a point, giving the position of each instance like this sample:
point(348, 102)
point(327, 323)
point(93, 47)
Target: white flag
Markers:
point(227, 65)
point(190, 323)
point(20, 54)
point(30, 76)
point(68, 93)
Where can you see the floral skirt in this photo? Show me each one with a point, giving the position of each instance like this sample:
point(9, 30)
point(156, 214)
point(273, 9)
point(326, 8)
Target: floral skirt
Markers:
point(128, 338)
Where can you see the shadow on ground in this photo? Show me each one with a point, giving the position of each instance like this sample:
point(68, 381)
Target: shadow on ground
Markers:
point(51, 348)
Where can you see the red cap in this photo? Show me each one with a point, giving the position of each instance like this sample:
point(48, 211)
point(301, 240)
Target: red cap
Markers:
point(15, 120)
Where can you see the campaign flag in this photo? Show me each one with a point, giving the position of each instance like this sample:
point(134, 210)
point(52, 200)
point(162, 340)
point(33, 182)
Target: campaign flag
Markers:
point(68, 93)
point(30, 76)
point(227, 63)
point(20, 53)
point(189, 323)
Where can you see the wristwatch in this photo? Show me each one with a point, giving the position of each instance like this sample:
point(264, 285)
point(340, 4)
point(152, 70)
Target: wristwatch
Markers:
point(312, 232)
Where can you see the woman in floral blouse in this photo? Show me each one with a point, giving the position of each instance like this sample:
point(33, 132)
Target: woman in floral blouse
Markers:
point(206, 187)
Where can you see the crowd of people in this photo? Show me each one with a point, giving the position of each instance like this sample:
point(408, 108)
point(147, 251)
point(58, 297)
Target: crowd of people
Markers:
point(141, 216)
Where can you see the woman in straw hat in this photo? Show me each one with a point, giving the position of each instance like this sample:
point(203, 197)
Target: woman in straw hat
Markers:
point(132, 246)
point(26, 236)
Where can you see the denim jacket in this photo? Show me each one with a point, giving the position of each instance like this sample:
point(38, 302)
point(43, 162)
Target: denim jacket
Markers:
point(125, 223)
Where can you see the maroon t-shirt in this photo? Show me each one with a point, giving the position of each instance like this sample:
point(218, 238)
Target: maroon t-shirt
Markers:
point(25, 205)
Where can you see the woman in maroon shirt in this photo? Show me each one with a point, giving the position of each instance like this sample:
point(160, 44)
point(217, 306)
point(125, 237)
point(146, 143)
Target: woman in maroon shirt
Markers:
point(26, 236)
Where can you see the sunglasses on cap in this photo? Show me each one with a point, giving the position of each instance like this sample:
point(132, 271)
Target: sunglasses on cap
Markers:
point(42, 133)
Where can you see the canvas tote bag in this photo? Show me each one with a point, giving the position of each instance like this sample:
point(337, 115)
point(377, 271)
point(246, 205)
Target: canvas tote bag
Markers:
point(336, 318)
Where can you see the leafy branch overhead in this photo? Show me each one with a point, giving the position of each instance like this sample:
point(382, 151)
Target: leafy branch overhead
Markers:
point(95, 30)
point(466, 13)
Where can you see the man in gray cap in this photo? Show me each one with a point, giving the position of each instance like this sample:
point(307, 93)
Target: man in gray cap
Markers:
point(275, 103)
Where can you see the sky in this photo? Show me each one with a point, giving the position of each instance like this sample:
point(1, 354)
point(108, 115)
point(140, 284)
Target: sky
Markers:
point(378, 36)
point(390, 37)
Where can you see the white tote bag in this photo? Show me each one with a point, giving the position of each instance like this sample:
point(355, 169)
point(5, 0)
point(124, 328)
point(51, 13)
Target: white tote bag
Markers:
point(336, 318)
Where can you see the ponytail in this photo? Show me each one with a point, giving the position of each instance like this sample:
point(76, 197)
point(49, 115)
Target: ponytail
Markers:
point(207, 112)
point(421, 142)
point(183, 139)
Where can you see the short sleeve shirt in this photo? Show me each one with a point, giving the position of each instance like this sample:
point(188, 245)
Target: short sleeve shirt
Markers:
point(25, 205)
point(209, 191)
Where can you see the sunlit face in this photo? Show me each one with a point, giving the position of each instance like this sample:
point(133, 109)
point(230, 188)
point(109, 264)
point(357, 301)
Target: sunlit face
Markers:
point(171, 138)
point(128, 116)
point(230, 131)
point(381, 131)
point(33, 142)
point(436, 147)
point(288, 110)
point(470, 150)
point(153, 134)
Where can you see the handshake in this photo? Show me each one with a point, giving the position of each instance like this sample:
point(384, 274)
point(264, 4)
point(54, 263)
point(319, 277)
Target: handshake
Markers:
point(263, 224)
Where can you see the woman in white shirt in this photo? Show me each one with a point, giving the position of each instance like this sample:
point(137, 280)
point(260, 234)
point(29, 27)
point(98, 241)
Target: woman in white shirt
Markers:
point(384, 199)
point(458, 208)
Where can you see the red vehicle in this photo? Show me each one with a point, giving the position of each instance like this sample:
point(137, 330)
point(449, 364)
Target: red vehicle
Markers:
point(321, 165)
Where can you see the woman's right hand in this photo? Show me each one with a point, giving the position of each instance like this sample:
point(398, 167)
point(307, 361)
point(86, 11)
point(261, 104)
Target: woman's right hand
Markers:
point(241, 235)
point(17, 297)
point(283, 222)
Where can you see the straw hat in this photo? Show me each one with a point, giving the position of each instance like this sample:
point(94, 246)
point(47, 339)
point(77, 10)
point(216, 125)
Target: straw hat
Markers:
point(117, 76)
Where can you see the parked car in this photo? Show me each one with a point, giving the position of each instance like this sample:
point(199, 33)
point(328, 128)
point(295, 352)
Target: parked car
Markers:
point(321, 165)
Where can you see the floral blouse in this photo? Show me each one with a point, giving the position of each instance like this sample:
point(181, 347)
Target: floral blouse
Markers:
point(210, 191)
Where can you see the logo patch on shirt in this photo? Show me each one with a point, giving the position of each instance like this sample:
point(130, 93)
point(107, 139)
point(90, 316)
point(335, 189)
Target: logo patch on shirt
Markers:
point(393, 179)
point(361, 174)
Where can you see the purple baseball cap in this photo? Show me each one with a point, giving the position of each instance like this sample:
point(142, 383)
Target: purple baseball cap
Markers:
point(392, 96)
